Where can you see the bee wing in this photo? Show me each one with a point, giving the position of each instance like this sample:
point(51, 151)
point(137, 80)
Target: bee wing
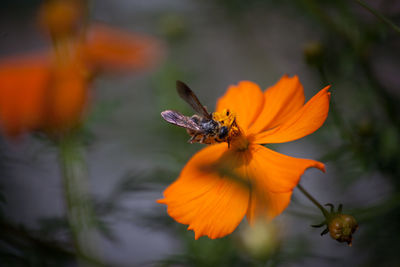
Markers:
point(178, 119)
point(187, 94)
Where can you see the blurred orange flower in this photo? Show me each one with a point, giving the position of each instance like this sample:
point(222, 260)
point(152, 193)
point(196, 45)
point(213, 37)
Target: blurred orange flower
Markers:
point(37, 93)
point(221, 184)
point(48, 91)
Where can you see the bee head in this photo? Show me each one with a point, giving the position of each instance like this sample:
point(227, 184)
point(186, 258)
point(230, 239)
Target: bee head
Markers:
point(225, 118)
point(228, 127)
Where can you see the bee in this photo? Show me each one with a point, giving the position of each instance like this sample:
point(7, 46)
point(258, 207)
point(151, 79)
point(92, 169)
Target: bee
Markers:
point(203, 127)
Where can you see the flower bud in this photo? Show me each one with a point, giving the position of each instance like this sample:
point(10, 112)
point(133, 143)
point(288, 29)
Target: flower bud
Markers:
point(341, 228)
point(313, 53)
point(61, 17)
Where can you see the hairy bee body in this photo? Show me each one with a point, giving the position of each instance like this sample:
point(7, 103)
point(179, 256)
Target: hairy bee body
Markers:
point(201, 127)
point(211, 131)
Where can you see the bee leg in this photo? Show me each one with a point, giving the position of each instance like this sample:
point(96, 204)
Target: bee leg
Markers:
point(192, 139)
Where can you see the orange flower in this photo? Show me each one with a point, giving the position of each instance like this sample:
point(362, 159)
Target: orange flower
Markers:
point(38, 93)
point(220, 184)
point(49, 92)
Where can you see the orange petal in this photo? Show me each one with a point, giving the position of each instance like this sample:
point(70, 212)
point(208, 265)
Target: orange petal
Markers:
point(306, 121)
point(246, 100)
point(110, 49)
point(282, 101)
point(210, 204)
point(22, 88)
point(66, 96)
point(276, 172)
point(273, 176)
point(267, 205)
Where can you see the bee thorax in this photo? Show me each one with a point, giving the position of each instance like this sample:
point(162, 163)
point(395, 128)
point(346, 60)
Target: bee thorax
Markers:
point(210, 126)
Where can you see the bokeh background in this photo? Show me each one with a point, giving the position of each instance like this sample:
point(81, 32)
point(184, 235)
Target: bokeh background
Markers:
point(132, 154)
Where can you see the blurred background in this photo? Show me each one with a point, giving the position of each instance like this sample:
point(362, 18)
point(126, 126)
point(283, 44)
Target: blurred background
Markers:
point(131, 154)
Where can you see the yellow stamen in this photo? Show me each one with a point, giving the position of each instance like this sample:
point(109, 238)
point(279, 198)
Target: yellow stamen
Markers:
point(235, 137)
point(225, 118)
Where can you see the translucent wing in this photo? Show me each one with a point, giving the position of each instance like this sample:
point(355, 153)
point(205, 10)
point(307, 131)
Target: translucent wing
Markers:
point(178, 119)
point(187, 94)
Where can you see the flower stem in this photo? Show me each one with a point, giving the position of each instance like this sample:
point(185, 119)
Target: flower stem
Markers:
point(379, 16)
point(80, 214)
point(313, 200)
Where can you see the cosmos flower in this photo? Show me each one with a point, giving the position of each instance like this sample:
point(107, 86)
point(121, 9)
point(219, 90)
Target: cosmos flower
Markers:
point(222, 184)
point(40, 93)
point(48, 91)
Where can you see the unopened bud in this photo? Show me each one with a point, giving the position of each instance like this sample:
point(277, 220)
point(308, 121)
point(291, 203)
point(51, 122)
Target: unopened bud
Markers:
point(313, 53)
point(61, 17)
point(341, 228)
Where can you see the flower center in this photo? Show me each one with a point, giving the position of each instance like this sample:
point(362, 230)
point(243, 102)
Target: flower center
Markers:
point(240, 142)
point(235, 136)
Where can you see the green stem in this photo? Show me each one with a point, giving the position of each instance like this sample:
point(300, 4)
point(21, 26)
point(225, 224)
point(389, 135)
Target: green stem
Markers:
point(313, 200)
point(379, 16)
point(80, 214)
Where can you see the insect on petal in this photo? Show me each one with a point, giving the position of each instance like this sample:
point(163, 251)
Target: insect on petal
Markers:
point(246, 100)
